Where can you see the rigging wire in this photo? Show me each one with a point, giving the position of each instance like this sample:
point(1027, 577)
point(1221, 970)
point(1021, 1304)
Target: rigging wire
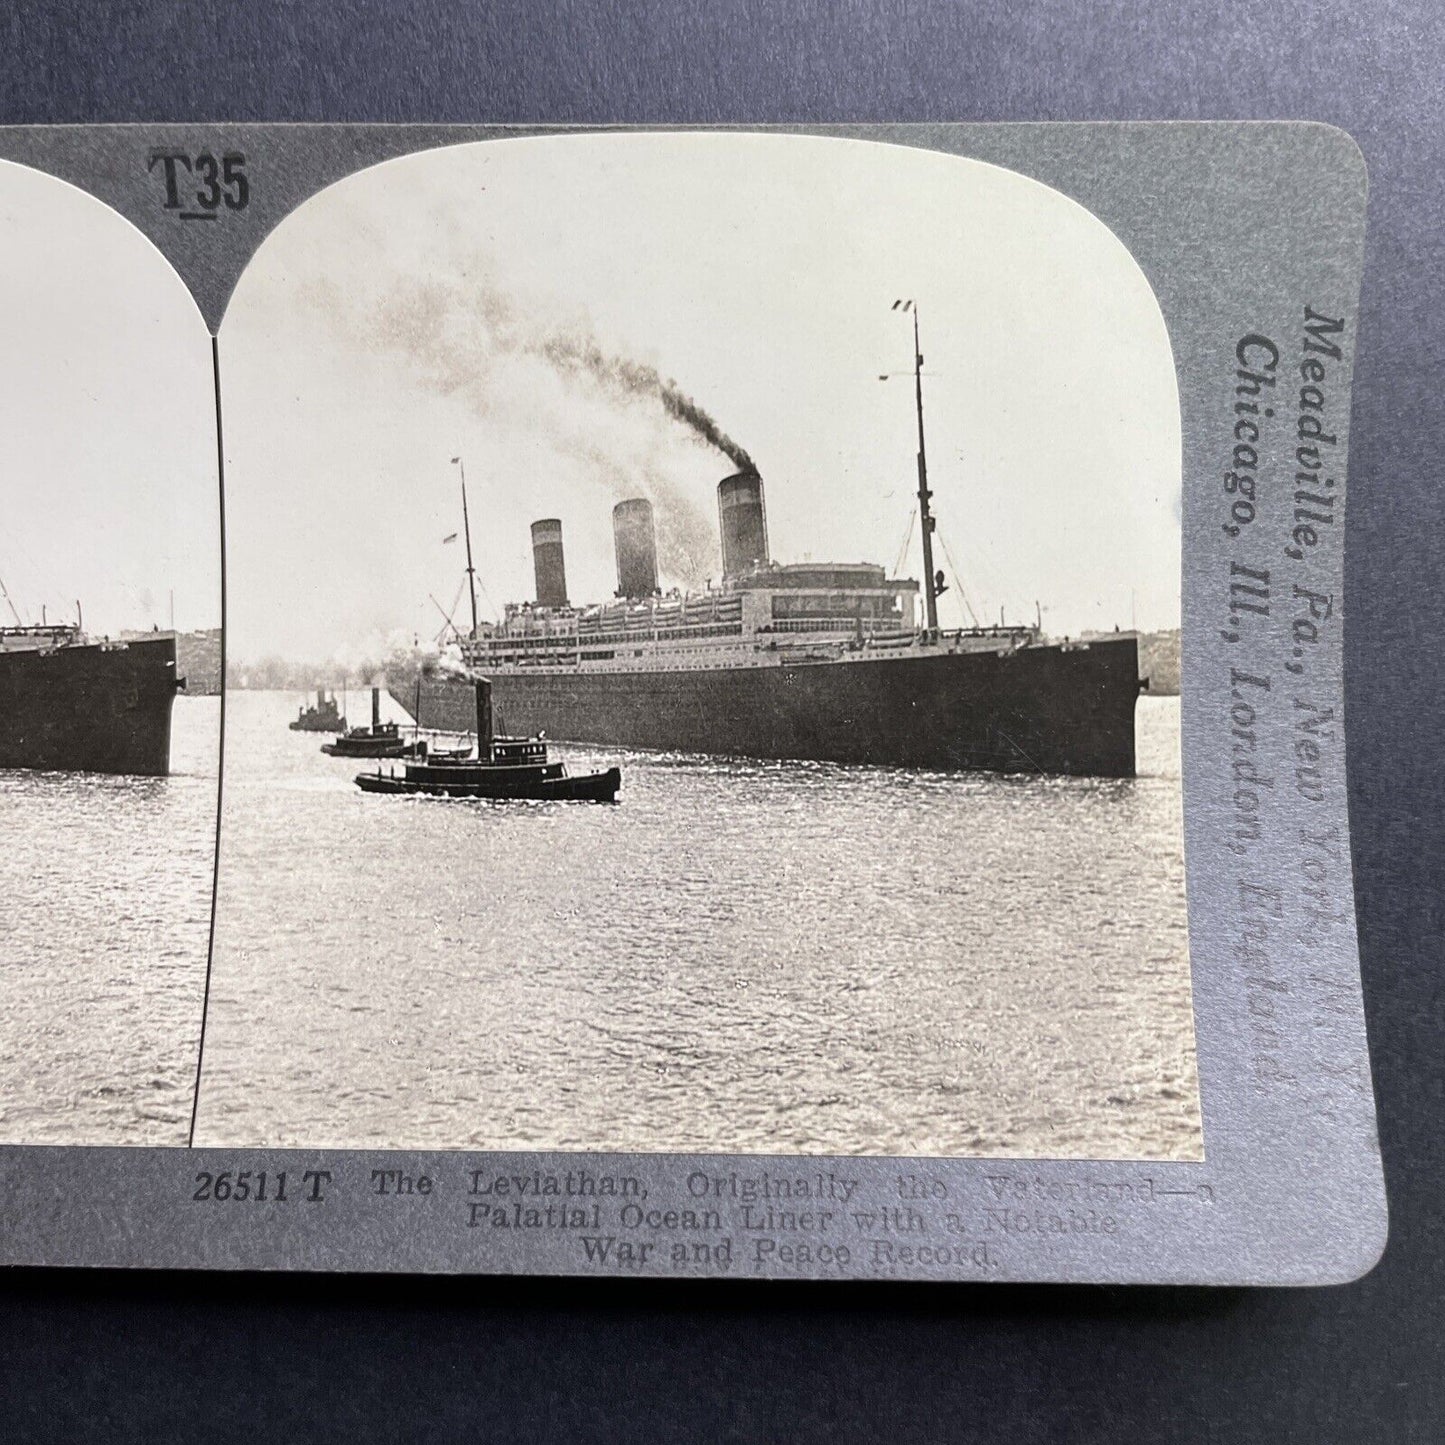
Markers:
point(957, 578)
point(449, 613)
point(487, 598)
point(19, 621)
point(907, 538)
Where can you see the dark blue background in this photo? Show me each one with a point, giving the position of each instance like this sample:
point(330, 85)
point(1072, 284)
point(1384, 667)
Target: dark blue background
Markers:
point(157, 1357)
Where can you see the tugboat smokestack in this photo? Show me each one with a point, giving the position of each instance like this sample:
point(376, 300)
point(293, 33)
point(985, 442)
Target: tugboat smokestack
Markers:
point(743, 523)
point(548, 563)
point(484, 716)
point(635, 539)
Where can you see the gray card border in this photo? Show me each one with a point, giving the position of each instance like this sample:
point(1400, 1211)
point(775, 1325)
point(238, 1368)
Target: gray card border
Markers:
point(1238, 227)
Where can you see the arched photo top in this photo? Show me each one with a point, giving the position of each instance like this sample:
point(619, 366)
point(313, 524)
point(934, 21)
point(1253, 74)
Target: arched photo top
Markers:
point(107, 419)
point(594, 316)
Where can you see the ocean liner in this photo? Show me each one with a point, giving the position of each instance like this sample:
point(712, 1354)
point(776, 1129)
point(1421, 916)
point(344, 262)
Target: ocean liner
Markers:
point(71, 703)
point(806, 661)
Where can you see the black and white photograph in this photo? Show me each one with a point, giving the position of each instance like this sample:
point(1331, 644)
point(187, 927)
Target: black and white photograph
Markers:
point(703, 663)
point(719, 722)
point(110, 674)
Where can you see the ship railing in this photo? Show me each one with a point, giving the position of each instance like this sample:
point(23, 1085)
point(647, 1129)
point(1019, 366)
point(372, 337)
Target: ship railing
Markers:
point(1015, 636)
point(496, 648)
point(997, 630)
point(30, 634)
point(555, 629)
point(888, 633)
point(838, 626)
point(674, 628)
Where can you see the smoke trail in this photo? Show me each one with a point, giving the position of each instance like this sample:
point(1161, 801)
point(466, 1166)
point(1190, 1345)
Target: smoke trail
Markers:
point(455, 334)
point(635, 378)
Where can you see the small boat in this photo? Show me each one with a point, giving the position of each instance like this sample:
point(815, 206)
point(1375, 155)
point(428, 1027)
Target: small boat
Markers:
point(500, 768)
point(380, 740)
point(325, 717)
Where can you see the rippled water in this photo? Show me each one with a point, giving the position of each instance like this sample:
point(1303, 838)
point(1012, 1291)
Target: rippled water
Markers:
point(106, 884)
point(753, 957)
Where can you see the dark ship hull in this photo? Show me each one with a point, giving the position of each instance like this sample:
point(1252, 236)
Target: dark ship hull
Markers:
point(1050, 708)
point(89, 707)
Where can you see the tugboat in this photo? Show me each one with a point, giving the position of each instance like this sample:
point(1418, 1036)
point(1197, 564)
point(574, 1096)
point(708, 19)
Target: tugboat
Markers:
point(380, 740)
point(325, 717)
point(503, 768)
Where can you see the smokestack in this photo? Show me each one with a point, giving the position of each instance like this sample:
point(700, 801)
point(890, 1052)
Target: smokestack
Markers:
point(375, 708)
point(743, 523)
point(547, 563)
point(484, 718)
point(636, 543)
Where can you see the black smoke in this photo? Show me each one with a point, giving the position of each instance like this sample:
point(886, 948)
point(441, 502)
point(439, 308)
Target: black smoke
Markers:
point(574, 353)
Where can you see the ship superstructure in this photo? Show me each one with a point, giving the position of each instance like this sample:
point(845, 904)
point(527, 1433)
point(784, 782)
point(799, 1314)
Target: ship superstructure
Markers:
point(764, 613)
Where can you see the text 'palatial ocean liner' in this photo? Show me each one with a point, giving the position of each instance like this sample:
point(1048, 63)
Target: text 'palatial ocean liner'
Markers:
point(810, 661)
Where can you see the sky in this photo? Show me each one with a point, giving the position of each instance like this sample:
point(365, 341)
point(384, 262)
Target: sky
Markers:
point(107, 420)
point(524, 305)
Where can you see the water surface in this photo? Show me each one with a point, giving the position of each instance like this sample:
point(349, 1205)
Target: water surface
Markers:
point(106, 883)
point(766, 957)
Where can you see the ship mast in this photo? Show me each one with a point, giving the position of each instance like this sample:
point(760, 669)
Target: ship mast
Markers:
point(483, 686)
point(467, 529)
point(933, 583)
point(925, 516)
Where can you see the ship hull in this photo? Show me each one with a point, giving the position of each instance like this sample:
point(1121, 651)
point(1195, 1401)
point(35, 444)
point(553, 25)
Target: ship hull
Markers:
point(1042, 709)
point(89, 708)
point(502, 785)
point(330, 723)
